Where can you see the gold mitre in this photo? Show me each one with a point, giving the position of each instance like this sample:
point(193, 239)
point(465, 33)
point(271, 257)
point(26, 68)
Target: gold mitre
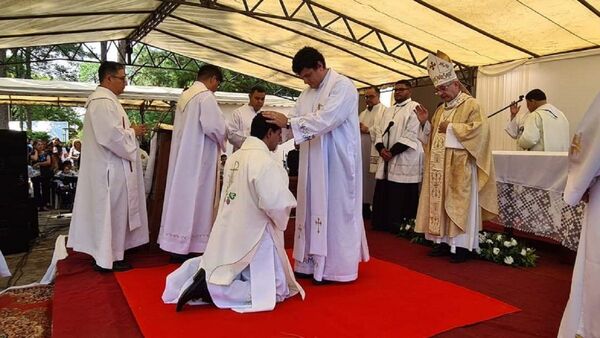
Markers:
point(440, 68)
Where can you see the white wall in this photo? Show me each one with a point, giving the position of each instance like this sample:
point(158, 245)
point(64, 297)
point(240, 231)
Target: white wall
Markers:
point(570, 81)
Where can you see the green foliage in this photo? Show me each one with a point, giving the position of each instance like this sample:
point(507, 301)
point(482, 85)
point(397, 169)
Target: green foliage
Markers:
point(49, 113)
point(406, 229)
point(495, 247)
point(503, 249)
point(38, 135)
point(88, 72)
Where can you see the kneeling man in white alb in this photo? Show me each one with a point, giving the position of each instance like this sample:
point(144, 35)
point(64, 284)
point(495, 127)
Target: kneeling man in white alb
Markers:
point(245, 267)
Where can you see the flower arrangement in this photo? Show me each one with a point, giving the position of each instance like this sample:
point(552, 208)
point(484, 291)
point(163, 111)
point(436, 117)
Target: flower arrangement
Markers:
point(406, 229)
point(503, 249)
point(495, 247)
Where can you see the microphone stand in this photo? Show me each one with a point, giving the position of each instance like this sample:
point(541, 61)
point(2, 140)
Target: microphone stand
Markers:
point(519, 100)
point(387, 146)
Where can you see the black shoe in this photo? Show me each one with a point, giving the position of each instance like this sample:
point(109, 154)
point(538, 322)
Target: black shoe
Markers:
point(461, 256)
point(439, 250)
point(300, 275)
point(99, 268)
point(120, 266)
point(322, 282)
point(178, 259)
point(197, 290)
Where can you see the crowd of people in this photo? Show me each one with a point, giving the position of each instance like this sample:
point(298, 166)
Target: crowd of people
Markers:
point(49, 163)
point(225, 221)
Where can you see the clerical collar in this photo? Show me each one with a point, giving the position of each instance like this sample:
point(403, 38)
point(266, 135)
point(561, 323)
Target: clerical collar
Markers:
point(403, 103)
point(455, 101)
point(371, 109)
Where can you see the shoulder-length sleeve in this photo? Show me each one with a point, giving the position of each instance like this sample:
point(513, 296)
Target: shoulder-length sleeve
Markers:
point(341, 103)
point(108, 125)
point(274, 196)
point(584, 155)
point(212, 121)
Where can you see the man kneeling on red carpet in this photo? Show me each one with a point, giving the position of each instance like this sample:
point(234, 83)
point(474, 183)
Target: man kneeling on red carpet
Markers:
point(245, 267)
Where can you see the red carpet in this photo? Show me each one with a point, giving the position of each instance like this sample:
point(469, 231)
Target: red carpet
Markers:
point(387, 301)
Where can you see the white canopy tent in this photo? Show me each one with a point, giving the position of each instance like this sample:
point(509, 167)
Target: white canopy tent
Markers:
point(74, 94)
point(370, 41)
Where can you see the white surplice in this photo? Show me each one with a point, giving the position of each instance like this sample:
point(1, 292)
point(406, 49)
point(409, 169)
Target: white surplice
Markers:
point(370, 118)
point(238, 125)
point(109, 213)
point(330, 236)
point(246, 265)
point(581, 313)
point(199, 133)
point(544, 129)
point(4, 271)
point(406, 167)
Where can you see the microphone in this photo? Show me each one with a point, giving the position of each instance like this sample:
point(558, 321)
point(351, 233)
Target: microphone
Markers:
point(521, 97)
point(387, 130)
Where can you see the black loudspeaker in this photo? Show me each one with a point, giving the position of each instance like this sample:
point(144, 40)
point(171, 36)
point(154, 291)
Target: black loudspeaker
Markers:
point(18, 215)
point(18, 226)
point(13, 167)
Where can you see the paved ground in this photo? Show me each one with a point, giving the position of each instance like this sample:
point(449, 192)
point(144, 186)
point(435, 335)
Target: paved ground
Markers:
point(30, 267)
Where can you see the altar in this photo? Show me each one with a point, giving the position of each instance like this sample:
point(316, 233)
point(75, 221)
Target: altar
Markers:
point(530, 190)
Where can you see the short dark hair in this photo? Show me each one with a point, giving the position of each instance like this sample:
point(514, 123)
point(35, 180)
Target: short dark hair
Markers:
point(108, 68)
point(535, 94)
point(404, 82)
point(257, 88)
point(307, 57)
point(207, 71)
point(376, 89)
point(260, 126)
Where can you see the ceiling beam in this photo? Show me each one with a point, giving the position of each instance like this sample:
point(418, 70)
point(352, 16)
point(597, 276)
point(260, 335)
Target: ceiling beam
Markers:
point(265, 19)
point(153, 20)
point(67, 15)
point(237, 38)
point(91, 30)
point(478, 30)
point(590, 7)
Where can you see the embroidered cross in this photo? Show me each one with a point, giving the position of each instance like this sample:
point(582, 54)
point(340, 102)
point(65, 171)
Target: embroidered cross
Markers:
point(228, 195)
point(318, 223)
point(576, 145)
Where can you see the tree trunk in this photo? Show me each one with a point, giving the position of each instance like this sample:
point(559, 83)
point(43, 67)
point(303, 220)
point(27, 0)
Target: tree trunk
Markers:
point(4, 112)
point(27, 75)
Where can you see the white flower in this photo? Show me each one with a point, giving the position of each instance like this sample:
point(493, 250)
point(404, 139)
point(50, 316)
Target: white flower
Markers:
point(508, 260)
point(507, 244)
point(499, 237)
point(496, 251)
point(485, 233)
point(489, 241)
point(407, 227)
point(513, 241)
point(528, 249)
point(481, 238)
point(523, 252)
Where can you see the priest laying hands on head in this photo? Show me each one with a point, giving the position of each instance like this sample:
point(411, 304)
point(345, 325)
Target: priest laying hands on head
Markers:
point(245, 267)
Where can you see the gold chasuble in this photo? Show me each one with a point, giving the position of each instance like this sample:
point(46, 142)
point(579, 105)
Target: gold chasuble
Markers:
point(446, 191)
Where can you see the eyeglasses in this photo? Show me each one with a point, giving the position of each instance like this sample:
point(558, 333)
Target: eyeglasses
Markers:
point(442, 88)
point(122, 78)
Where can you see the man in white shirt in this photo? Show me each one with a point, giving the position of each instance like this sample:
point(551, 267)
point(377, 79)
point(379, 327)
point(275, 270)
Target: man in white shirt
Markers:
point(109, 213)
point(245, 266)
point(191, 191)
point(369, 119)
point(399, 169)
point(545, 128)
point(241, 118)
point(330, 238)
